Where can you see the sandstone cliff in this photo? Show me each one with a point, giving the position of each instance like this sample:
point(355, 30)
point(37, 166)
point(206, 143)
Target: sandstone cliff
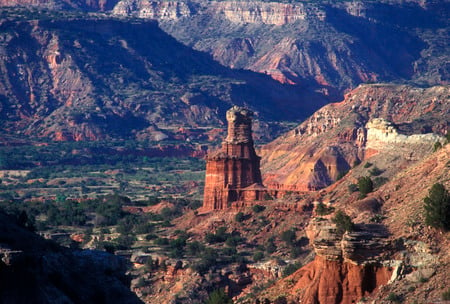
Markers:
point(331, 46)
point(233, 173)
point(94, 78)
point(340, 135)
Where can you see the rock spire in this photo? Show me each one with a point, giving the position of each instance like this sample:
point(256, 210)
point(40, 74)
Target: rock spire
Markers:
point(233, 173)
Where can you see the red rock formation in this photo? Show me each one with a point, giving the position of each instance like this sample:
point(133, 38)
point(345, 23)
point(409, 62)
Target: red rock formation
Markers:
point(324, 281)
point(335, 138)
point(232, 173)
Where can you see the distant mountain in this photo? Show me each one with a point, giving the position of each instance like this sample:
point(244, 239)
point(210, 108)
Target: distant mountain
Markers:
point(330, 45)
point(67, 76)
point(86, 70)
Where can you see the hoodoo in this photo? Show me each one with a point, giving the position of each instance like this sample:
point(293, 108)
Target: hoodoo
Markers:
point(233, 173)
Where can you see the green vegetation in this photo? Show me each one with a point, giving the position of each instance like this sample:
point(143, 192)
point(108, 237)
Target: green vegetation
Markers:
point(289, 237)
point(291, 268)
point(321, 209)
point(365, 186)
point(258, 256)
point(92, 169)
point(446, 294)
point(219, 296)
point(270, 245)
point(375, 171)
point(343, 222)
point(437, 146)
point(395, 298)
point(258, 208)
point(239, 217)
point(352, 188)
point(437, 207)
point(367, 165)
point(219, 236)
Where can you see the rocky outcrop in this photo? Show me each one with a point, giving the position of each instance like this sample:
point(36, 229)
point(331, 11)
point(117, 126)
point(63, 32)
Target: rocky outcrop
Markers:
point(381, 134)
point(159, 10)
point(260, 12)
point(340, 135)
point(365, 245)
point(325, 281)
point(34, 270)
point(232, 173)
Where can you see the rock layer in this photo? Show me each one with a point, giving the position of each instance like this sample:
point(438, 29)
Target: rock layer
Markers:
point(372, 118)
point(232, 173)
point(324, 281)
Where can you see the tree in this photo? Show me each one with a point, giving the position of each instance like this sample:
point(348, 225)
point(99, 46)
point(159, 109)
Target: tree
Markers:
point(289, 237)
point(437, 207)
point(343, 222)
point(258, 208)
point(239, 217)
point(365, 185)
point(219, 296)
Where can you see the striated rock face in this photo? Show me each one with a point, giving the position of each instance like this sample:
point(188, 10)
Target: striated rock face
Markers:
point(346, 267)
point(325, 281)
point(330, 45)
point(93, 78)
point(160, 10)
point(232, 173)
point(370, 119)
point(260, 12)
point(365, 245)
point(382, 133)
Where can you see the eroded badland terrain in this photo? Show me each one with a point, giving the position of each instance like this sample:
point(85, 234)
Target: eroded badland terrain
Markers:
point(224, 151)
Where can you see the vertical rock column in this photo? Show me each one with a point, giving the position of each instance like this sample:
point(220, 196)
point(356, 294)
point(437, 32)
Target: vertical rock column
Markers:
point(235, 166)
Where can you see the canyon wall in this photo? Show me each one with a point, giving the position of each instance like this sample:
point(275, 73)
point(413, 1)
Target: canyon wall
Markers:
point(372, 118)
point(331, 46)
point(92, 78)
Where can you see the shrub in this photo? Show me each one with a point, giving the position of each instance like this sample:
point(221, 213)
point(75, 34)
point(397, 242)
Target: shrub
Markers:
point(219, 237)
point(161, 241)
point(195, 248)
point(365, 185)
point(375, 171)
point(379, 181)
point(321, 209)
point(239, 217)
point(258, 208)
point(233, 241)
point(289, 237)
point(437, 207)
point(295, 252)
point(353, 188)
point(437, 146)
point(393, 297)
point(343, 222)
point(270, 246)
point(291, 268)
point(367, 165)
point(219, 296)
point(446, 294)
point(258, 256)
